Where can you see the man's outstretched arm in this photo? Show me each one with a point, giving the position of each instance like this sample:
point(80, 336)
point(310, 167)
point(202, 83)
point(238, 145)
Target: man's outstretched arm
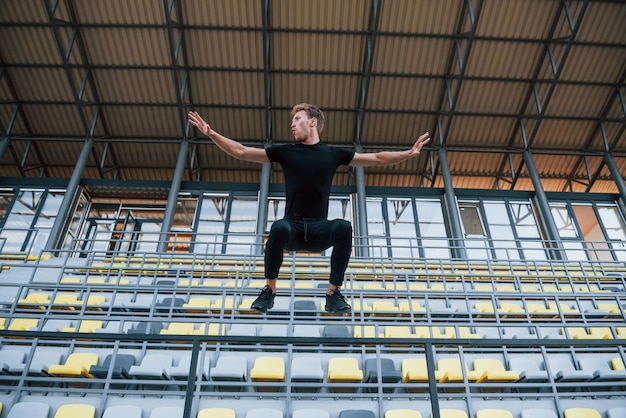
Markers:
point(230, 147)
point(390, 157)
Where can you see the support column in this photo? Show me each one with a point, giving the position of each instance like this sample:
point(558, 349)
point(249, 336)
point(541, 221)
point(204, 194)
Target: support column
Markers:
point(554, 241)
point(616, 175)
point(451, 208)
point(54, 240)
point(261, 220)
point(361, 208)
point(172, 198)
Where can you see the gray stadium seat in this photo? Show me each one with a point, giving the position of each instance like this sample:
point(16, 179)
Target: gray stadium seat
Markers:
point(122, 411)
point(230, 369)
point(264, 413)
point(11, 359)
point(529, 370)
point(388, 372)
point(307, 370)
point(167, 412)
point(181, 371)
point(29, 410)
point(310, 413)
point(600, 368)
point(356, 413)
point(39, 364)
point(538, 413)
point(153, 366)
point(619, 412)
point(121, 366)
point(563, 370)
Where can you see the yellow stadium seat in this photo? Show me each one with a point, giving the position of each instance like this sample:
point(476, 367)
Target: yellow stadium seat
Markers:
point(618, 364)
point(37, 300)
point(198, 305)
point(69, 302)
point(216, 413)
point(23, 324)
point(77, 364)
point(415, 370)
point(75, 411)
point(179, 328)
point(344, 370)
point(86, 325)
point(494, 371)
point(365, 331)
point(414, 306)
point(268, 369)
point(581, 413)
point(451, 370)
point(384, 308)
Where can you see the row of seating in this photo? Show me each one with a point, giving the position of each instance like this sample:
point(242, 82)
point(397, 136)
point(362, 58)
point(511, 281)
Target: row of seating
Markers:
point(526, 308)
point(312, 279)
point(278, 329)
point(233, 367)
point(35, 409)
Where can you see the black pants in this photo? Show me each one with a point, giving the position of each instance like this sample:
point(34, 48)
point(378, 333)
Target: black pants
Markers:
point(310, 235)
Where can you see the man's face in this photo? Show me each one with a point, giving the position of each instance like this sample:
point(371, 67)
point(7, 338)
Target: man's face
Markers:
point(302, 126)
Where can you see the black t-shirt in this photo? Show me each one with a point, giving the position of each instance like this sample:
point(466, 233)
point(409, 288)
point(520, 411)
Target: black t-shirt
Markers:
point(309, 172)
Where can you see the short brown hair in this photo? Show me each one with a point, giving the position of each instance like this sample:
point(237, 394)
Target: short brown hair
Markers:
point(313, 112)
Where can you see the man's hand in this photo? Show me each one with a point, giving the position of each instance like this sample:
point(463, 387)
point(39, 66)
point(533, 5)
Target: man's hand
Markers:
point(196, 120)
point(421, 141)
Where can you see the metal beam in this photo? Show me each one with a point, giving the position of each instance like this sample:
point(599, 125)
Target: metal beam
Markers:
point(366, 71)
point(449, 95)
point(533, 90)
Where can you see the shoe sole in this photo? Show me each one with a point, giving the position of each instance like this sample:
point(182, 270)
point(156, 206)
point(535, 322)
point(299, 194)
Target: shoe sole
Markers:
point(339, 311)
point(260, 310)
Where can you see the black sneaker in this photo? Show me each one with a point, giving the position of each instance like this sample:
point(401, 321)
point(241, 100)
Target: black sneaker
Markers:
point(265, 300)
point(336, 303)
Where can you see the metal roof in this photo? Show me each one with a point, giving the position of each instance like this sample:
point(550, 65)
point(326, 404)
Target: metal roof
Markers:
point(488, 79)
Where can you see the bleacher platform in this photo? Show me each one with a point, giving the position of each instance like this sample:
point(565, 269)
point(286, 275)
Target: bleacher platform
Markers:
point(168, 335)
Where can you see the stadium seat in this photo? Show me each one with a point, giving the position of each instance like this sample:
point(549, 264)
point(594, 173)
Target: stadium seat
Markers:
point(274, 330)
point(181, 370)
point(581, 413)
point(216, 413)
point(167, 412)
point(336, 331)
point(307, 370)
point(310, 413)
point(305, 307)
point(344, 370)
point(415, 370)
point(492, 370)
point(365, 331)
point(178, 328)
point(35, 300)
point(619, 412)
point(451, 413)
point(146, 328)
point(230, 369)
point(11, 359)
point(493, 413)
point(601, 369)
point(403, 413)
point(198, 305)
point(356, 413)
point(563, 370)
point(538, 413)
point(153, 367)
point(529, 370)
point(388, 372)
point(268, 369)
point(86, 325)
point(75, 410)
point(76, 364)
point(121, 366)
point(23, 324)
point(122, 411)
point(264, 413)
point(450, 370)
point(412, 306)
point(29, 410)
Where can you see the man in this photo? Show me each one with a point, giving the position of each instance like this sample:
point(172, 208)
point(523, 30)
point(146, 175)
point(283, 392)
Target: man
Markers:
point(309, 167)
